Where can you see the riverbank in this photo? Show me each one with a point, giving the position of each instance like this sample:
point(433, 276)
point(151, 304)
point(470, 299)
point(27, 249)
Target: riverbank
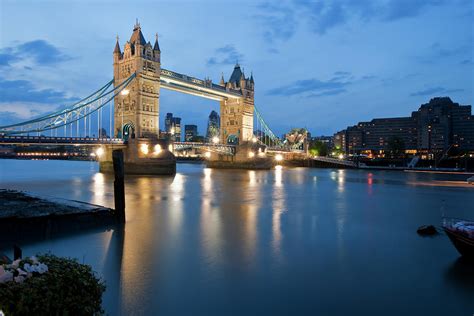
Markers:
point(24, 215)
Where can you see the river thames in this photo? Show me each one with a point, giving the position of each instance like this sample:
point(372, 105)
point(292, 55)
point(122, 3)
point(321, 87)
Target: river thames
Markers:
point(287, 241)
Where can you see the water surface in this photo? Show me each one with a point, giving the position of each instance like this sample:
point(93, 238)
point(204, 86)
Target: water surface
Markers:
point(291, 241)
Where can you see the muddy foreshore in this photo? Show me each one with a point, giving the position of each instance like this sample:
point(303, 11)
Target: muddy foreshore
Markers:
point(25, 216)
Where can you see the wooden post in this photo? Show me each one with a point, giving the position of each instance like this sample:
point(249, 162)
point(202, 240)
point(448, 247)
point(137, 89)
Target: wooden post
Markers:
point(17, 253)
point(119, 186)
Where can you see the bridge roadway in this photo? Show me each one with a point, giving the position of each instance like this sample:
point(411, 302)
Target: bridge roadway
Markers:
point(93, 141)
point(46, 140)
point(205, 88)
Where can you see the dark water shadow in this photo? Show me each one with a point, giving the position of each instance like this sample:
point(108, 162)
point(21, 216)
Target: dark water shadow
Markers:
point(112, 271)
point(39, 230)
point(461, 273)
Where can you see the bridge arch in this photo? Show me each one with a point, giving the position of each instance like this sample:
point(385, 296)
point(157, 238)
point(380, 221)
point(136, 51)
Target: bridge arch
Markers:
point(128, 131)
point(232, 139)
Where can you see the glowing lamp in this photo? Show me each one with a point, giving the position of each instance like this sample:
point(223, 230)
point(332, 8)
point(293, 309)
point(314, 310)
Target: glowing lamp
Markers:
point(125, 92)
point(215, 139)
point(278, 157)
point(99, 152)
point(251, 154)
point(207, 154)
point(254, 139)
point(144, 149)
point(157, 149)
point(341, 156)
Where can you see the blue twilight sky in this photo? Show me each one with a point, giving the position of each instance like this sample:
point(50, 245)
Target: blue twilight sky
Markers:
point(318, 64)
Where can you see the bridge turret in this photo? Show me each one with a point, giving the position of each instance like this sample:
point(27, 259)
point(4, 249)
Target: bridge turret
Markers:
point(237, 113)
point(156, 49)
point(117, 51)
point(137, 108)
point(222, 82)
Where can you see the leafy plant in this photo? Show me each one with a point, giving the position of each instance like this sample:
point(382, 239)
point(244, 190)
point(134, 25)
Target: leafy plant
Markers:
point(67, 288)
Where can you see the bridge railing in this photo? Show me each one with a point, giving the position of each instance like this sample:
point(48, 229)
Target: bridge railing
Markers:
point(198, 82)
point(336, 161)
point(7, 139)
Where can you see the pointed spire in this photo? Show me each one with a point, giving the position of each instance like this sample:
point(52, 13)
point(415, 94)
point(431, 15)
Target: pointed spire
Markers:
point(137, 35)
point(117, 46)
point(222, 82)
point(156, 46)
point(251, 76)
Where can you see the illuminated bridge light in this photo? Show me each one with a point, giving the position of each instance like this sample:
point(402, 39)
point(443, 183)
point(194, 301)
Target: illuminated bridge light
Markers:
point(157, 149)
point(279, 157)
point(144, 149)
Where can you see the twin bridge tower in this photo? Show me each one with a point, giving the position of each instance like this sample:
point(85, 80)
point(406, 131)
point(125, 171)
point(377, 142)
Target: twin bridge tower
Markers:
point(135, 90)
point(137, 109)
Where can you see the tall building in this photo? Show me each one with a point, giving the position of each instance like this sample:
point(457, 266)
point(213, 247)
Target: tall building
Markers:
point(168, 122)
point(213, 126)
point(137, 107)
point(173, 127)
point(190, 132)
point(436, 126)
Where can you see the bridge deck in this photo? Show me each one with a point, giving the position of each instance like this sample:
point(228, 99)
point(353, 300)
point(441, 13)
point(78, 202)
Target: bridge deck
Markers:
point(205, 88)
point(45, 140)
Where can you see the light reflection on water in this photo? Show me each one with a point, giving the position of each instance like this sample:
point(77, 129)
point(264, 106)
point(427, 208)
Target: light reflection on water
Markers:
point(264, 242)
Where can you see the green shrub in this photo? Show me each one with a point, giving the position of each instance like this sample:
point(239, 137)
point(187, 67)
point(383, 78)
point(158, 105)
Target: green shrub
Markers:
point(68, 288)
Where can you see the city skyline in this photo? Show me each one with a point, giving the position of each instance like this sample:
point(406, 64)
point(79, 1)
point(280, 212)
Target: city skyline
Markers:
point(42, 67)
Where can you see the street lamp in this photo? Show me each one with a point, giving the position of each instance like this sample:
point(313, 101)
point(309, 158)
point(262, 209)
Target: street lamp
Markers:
point(157, 149)
point(215, 140)
point(99, 152)
point(144, 149)
point(279, 157)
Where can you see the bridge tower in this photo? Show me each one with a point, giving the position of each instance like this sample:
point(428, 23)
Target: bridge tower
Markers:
point(137, 108)
point(237, 113)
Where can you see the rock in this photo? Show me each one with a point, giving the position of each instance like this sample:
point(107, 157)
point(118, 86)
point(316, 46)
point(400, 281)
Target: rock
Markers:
point(427, 230)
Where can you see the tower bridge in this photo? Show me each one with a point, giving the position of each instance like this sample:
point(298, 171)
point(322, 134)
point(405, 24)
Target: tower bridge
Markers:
point(132, 100)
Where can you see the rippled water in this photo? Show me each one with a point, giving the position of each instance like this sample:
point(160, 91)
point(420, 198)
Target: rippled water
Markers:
point(290, 241)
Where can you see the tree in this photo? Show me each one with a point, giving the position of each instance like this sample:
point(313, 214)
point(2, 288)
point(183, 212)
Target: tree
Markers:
point(318, 148)
point(395, 146)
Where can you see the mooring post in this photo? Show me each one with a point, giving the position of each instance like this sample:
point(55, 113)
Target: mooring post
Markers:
point(17, 253)
point(119, 186)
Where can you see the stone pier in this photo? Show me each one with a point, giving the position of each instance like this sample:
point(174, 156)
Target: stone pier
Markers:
point(247, 156)
point(142, 156)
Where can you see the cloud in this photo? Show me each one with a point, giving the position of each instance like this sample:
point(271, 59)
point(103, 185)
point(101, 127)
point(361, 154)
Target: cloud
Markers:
point(14, 111)
point(226, 55)
point(312, 87)
point(327, 93)
point(278, 20)
point(399, 9)
point(24, 91)
point(281, 19)
point(434, 90)
point(39, 52)
point(466, 62)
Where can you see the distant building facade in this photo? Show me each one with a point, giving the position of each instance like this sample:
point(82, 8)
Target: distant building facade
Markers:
point(436, 126)
point(190, 132)
point(213, 126)
point(173, 127)
point(327, 140)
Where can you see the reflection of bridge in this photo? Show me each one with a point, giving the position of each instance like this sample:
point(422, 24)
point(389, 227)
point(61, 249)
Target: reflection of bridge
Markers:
point(127, 107)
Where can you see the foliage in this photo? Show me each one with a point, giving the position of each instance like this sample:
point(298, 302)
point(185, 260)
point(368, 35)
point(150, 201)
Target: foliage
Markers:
point(296, 137)
point(318, 148)
point(67, 288)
